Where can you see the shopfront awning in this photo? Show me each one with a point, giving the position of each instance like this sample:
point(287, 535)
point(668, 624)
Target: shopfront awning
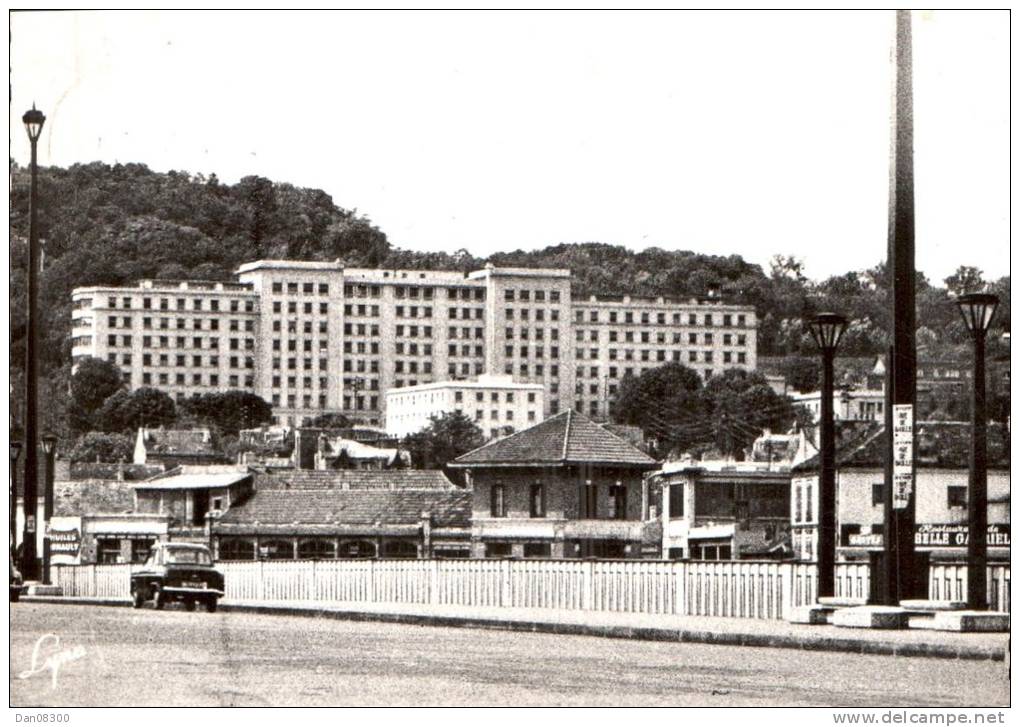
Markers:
point(194, 481)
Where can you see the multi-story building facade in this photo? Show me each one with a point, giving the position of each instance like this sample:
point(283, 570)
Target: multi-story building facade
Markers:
point(941, 478)
point(617, 336)
point(496, 404)
point(725, 510)
point(182, 337)
point(314, 337)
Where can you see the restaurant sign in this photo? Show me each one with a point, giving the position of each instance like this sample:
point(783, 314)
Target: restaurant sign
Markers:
point(935, 535)
point(955, 535)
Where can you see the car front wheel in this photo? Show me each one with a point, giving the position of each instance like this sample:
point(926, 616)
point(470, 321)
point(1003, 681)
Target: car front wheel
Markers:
point(138, 597)
point(158, 598)
point(210, 605)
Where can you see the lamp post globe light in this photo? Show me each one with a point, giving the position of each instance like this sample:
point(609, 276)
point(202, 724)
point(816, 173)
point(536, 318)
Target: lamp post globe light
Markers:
point(33, 120)
point(827, 329)
point(977, 310)
point(15, 453)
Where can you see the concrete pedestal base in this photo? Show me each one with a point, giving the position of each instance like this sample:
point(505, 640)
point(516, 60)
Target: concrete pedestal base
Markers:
point(928, 605)
point(813, 614)
point(871, 617)
point(39, 589)
point(842, 601)
point(971, 621)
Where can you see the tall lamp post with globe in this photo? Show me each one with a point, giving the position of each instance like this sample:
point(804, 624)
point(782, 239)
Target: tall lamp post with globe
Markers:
point(978, 309)
point(33, 120)
point(827, 329)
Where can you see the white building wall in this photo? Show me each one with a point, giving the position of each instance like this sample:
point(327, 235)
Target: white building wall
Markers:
point(312, 337)
point(495, 404)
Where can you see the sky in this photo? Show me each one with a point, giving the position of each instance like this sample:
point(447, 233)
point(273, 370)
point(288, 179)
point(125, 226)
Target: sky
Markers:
point(749, 133)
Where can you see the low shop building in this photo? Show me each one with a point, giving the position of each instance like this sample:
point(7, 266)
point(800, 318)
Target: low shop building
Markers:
point(941, 460)
point(565, 488)
point(94, 522)
point(725, 510)
point(311, 514)
point(190, 496)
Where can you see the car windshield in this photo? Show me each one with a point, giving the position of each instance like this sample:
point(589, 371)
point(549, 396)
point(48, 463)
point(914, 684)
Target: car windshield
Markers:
point(187, 555)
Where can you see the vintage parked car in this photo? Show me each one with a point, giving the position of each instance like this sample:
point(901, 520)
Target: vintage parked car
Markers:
point(178, 572)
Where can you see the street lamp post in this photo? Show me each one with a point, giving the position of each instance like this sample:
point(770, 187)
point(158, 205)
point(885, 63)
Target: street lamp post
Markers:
point(827, 330)
point(49, 445)
point(15, 452)
point(977, 310)
point(33, 121)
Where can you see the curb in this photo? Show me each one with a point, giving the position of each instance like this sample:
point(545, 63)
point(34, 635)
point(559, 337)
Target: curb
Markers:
point(641, 633)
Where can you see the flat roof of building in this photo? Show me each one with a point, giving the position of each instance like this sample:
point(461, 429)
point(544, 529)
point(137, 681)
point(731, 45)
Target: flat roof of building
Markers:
point(385, 275)
point(495, 382)
point(491, 270)
point(306, 265)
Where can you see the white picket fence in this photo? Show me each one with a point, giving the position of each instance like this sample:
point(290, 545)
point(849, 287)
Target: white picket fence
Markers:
point(948, 582)
point(740, 589)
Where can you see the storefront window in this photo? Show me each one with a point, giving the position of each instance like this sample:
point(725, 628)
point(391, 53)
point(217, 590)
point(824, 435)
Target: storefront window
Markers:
point(107, 550)
point(400, 549)
point(316, 549)
point(140, 548)
point(237, 550)
point(357, 549)
point(277, 550)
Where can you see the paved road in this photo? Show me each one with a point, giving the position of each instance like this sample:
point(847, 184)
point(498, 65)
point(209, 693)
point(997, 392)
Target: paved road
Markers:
point(119, 656)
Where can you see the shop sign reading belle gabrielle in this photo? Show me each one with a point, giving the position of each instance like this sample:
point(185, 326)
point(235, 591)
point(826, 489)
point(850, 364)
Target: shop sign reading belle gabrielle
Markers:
point(955, 535)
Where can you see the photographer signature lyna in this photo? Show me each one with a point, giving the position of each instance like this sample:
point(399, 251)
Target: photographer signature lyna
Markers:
point(48, 656)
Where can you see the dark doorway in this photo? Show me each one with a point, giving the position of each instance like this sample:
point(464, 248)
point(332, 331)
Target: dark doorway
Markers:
point(201, 501)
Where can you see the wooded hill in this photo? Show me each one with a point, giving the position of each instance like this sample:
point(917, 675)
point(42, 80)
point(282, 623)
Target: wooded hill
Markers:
point(117, 224)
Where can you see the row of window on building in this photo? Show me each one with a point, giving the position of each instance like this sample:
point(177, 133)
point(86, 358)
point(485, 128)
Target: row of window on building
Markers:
point(305, 288)
point(197, 342)
point(307, 308)
point(661, 355)
point(163, 323)
point(707, 339)
point(233, 305)
point(738, 320)
point(588, 502)
point(956, 498)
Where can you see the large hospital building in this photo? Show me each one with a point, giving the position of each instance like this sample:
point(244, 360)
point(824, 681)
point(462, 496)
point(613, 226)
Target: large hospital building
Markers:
point(314, 337)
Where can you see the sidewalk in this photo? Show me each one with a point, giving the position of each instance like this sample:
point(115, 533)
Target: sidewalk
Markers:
point(691, 629)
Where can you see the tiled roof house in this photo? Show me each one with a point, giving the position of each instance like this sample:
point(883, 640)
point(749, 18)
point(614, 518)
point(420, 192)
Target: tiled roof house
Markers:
point(347, 514)
point(564, 488)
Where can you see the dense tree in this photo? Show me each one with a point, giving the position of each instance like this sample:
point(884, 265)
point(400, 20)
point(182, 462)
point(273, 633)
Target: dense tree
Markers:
point(667, 403)
point(447, 436)
point(679, 414)
point(94, 381)
point(228, 411)
point(802, 373)
point(115, 224)
point(127, 411)
point(102, 447)
point(332, 420)
point(742, 405)
point(966, 279)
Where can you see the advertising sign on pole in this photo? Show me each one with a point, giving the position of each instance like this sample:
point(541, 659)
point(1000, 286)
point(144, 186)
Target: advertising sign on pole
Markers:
point(903, 455)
